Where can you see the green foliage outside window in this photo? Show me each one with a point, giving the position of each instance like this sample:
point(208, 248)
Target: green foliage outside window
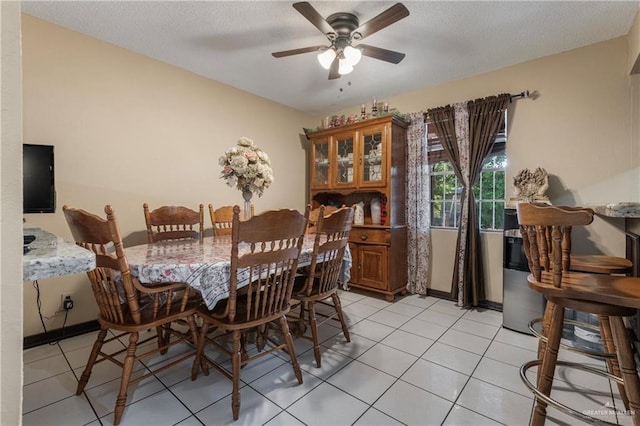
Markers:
point(489, 193)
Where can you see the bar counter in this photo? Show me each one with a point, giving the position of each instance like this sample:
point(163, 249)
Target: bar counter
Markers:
point(620, 209)
point(51, 256)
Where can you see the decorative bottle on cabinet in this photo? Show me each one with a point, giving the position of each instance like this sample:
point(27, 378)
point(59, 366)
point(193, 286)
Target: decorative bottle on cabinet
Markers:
point(365, 163)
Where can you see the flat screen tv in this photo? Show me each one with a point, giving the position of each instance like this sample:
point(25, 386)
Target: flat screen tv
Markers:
point(38, 189)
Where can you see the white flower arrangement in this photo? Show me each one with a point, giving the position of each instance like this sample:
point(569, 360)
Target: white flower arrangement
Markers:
point(246, 167)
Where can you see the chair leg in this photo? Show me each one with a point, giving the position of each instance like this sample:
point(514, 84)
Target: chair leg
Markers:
point(627, 366)
point(338, 307)
point(302, 327)
point(548, 367)
point(236, 360)
point(314, 333)
point(290, 348)
point(261, 336)
point(97, 346)
point(199, 361)
point(127, 369)
point(243, 348)
point(193, 329)
point(612, 363)
point(161, 335)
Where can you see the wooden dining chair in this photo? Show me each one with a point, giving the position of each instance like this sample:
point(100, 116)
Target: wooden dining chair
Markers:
point(125, 307)
point(222, 218)
point(173, 223)
point(547, 248)
point(264, 257)
point(314, 215)
point(320, 281)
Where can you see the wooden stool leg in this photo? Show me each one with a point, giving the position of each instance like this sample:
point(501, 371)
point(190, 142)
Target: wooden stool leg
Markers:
point(548, 313)
point(627, 366)
point(548, 367)
point(612, 363)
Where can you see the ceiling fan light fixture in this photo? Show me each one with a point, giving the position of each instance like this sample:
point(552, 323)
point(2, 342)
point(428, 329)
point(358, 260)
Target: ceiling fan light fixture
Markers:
point(326, 58)
point(352, 55)
point(344, 67)
point(341, 29)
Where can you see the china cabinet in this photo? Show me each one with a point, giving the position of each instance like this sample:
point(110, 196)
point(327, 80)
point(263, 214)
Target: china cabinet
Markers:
point(364, 163)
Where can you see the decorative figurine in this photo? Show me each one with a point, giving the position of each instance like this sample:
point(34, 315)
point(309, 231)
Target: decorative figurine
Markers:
point(530, 187)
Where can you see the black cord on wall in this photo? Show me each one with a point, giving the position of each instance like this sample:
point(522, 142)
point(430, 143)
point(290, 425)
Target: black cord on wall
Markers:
point(39, 305)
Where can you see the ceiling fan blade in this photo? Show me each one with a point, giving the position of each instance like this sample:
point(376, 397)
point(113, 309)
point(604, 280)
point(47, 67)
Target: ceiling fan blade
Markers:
point(383, 20)
point(284, 53)
point(382, 54)
point(333, 71)
point(314, 17)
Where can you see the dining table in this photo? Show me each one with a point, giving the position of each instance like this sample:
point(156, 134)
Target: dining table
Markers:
point(205, 265)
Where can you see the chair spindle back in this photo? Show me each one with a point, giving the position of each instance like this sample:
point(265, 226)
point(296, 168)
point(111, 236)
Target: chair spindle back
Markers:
point(332, 237)
point(546, 237)
point(222, 219)
point(111, 281)
point(174, 223)
point(264, 252)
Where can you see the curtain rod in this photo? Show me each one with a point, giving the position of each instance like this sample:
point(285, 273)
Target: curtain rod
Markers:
point(522, 95)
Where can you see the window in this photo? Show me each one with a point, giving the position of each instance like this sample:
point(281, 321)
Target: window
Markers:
point(489, 190)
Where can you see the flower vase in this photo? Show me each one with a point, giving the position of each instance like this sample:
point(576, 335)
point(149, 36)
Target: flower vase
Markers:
point(247, 194)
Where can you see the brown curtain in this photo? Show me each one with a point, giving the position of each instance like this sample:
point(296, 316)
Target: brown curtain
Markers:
point(466, 150)
point(485, 117)
point(443, 119)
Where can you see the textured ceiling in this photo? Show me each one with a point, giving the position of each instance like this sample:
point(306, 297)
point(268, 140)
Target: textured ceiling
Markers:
point(231, 42)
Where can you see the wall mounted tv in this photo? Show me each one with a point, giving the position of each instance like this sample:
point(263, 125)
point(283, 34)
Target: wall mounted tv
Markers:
point(38, 183)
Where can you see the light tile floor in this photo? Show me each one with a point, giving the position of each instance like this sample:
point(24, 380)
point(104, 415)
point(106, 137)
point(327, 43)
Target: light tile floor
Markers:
point(418, 361)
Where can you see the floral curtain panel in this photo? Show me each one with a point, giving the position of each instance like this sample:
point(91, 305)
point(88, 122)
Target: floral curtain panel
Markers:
point(418, 206)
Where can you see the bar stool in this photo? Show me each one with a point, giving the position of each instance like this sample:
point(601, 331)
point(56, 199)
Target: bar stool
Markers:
point(598, 264)
point(547, 247)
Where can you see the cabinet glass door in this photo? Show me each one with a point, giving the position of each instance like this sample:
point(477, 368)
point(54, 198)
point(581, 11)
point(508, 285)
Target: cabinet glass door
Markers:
point(320, 164)
point(345, 173)
point(373, 157)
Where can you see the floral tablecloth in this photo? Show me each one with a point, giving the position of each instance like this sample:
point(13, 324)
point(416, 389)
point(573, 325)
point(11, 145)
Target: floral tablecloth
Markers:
point(203, 266)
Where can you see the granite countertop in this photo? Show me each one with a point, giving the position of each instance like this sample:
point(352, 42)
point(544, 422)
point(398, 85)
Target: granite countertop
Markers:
point(620, 209)
point(51, 256)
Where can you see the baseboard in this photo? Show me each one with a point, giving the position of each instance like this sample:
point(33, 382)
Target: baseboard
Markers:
point(487, 304)
point(484, 304)
point(440, 294)
point(60, 333)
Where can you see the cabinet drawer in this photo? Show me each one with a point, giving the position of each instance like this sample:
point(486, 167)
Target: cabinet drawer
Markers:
point(371, 236)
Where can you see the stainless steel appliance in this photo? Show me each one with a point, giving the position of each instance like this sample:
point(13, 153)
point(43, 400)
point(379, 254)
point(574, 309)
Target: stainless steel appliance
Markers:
point(520, 304)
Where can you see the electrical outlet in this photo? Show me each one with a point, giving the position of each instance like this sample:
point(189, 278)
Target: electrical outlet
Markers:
point(66, 301)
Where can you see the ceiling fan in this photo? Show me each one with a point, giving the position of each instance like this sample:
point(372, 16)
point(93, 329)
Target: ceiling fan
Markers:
point(342, 29)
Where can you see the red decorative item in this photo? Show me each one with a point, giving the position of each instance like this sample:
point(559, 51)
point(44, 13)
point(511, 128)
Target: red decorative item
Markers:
point(383, 209)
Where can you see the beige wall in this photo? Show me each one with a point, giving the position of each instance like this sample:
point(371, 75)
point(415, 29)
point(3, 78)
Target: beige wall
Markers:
point(579, 128)
point(127, 130)
point(10, 217)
